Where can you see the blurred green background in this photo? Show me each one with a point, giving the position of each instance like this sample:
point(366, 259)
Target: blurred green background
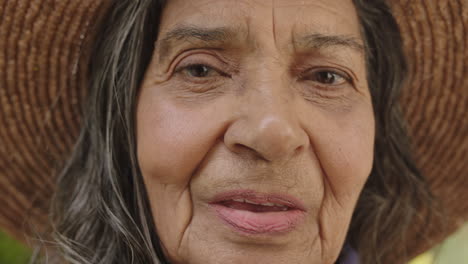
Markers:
point(453, 251)
point(12, 252)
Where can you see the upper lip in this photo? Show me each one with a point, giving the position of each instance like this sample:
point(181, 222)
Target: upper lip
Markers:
point(260, 198)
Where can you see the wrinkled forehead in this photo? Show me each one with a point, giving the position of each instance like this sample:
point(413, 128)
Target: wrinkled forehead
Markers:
point(278, 22)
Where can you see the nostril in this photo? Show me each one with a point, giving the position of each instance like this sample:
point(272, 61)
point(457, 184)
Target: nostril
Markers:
point(298, 150)
point(246, 151)
point(266, 137)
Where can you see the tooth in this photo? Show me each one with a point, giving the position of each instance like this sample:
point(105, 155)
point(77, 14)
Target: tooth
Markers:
point(283, 207)
point(250, 202)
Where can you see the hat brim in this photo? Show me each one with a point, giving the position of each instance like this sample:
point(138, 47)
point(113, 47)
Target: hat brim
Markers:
point(43, 59)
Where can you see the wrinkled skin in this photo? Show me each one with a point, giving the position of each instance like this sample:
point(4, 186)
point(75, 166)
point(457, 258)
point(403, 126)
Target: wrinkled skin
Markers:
point(265, 111)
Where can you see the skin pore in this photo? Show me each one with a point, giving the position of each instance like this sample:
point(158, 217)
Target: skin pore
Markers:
point(265, 96)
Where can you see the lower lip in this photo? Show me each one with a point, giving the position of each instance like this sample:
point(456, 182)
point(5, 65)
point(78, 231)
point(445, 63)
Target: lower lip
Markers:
point(243, 221)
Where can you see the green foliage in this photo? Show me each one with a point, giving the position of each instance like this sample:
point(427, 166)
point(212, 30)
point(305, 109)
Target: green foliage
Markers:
point(455, 249)
point(12, 252)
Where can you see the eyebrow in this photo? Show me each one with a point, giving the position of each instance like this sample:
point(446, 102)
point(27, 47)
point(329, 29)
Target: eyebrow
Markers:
point(319, 41)
point(227, 36)
point(207, 36)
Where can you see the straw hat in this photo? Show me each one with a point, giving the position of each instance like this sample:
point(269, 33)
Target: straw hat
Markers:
point(44, 50)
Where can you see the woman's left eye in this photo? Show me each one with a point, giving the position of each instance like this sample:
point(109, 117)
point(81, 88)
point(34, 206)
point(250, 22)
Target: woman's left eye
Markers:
point(327, 77)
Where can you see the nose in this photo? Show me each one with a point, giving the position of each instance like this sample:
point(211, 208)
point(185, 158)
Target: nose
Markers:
point(267, 128)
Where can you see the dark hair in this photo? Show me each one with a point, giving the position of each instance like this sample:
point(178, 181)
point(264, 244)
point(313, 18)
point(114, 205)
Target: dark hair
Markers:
point(396, 191)
point(100, 211)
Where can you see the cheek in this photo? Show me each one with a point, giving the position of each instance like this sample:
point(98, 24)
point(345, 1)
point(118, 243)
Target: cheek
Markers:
point(344, 145)
point(354, 157)
point(169, 142)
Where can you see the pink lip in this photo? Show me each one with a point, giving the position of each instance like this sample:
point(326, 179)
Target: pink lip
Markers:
point(251, 222)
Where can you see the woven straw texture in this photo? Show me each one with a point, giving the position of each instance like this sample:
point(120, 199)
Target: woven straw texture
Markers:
point(435, 103)
point(44, 50)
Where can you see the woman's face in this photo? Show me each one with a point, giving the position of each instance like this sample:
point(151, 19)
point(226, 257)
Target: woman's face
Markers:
point(255, 129)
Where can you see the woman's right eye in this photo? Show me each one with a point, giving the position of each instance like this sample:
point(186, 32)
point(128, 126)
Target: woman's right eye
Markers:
point(198, 71)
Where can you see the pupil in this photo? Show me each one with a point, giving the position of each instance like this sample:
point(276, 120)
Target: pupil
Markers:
point(198, 71)
point(326, 77)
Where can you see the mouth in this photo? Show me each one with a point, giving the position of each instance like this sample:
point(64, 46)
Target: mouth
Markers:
point(252, 212)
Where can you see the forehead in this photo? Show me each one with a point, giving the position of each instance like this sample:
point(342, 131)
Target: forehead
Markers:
point(281, 19)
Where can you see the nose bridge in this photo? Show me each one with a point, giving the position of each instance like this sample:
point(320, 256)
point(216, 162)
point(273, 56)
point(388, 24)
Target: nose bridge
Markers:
point(267, 87)
point(270, 105)
point(268, 124)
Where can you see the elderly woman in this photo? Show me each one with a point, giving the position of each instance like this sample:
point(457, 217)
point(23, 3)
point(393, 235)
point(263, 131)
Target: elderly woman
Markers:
point(245, 131)
point(245, 134)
